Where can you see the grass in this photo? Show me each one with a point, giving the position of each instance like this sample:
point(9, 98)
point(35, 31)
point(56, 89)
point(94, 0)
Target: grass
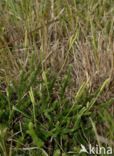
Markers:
point(56, 76)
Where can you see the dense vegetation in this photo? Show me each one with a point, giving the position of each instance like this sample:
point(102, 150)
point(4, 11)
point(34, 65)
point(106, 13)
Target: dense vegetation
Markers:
point(56, 76)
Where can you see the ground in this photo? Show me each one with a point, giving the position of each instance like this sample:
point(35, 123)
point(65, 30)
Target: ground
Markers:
point(56, 76)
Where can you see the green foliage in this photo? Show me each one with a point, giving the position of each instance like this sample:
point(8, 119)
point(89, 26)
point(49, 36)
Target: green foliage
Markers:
point(56, 76)
point(44, 116)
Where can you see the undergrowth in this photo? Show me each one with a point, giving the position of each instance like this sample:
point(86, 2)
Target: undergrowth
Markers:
point(56, 76)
